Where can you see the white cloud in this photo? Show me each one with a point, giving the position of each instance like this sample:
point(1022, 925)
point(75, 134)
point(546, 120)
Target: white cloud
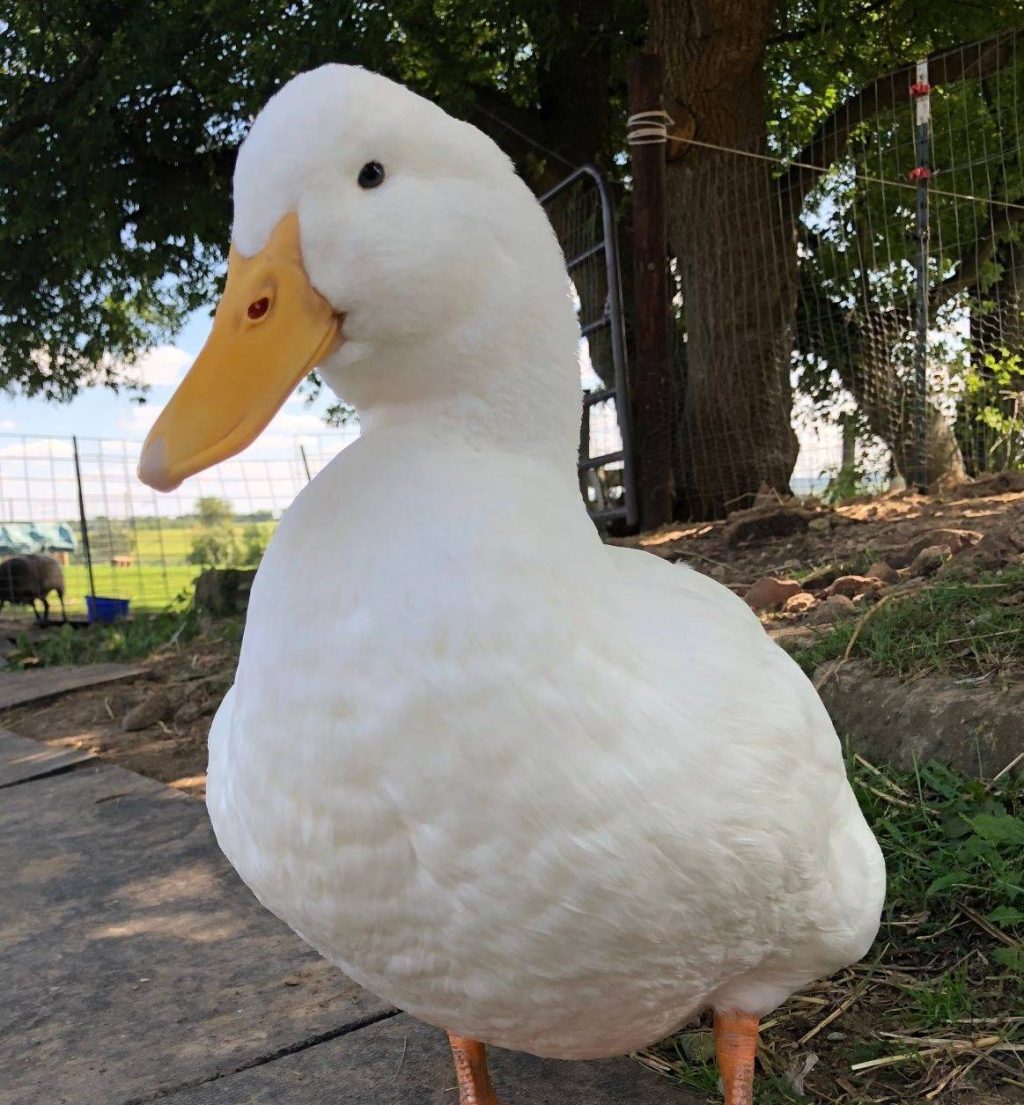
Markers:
point(135, 422)
point(8, 424)
point(163, 366)
point(39, 447)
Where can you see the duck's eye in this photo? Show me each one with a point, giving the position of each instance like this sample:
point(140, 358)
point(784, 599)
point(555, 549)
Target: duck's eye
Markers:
point(371, 175)
point(258, 308)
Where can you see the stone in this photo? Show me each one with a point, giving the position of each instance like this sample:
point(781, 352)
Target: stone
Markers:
point(760, 522)
point(823, 577)
point(821, 524)
point(799, 603)
point(833, 609)
point(770, 594)
point(224, 592)
point(930, 559)
point(953, 539)
point(995, 550)
point(155, 707)
point(883, 572)
point(851, 586)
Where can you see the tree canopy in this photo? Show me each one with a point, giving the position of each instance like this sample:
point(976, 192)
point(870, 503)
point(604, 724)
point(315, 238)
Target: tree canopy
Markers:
point(121, 122)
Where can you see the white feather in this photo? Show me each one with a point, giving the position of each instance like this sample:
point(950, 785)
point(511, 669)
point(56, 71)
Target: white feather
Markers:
point(544, 793)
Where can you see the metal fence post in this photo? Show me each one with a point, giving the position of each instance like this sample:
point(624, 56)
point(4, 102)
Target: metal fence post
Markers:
point(81, 518)
point(921, 174)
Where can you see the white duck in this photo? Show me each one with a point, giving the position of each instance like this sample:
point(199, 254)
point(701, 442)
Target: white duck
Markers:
point(538, 791)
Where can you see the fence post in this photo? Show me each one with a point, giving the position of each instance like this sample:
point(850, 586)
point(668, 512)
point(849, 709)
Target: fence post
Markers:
point(81, 518)
point(651, 383)
point(922, 173)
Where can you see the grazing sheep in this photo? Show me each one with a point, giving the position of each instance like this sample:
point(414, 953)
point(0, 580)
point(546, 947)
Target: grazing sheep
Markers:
point(23, 579)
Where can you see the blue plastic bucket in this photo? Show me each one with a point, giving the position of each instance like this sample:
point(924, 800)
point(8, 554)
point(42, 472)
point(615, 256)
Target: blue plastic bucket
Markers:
point(105, 610)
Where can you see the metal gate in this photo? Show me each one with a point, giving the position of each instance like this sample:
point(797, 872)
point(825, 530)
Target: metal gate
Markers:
point(581, 211)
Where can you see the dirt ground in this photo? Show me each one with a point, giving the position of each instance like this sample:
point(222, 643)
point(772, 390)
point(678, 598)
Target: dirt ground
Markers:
point(174, 703)
point(854, 535)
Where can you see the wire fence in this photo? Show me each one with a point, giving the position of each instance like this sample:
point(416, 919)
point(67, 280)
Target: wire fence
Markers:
point(848, 304)
point(79, 501)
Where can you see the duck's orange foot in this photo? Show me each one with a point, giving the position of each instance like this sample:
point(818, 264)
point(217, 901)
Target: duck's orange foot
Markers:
point(735, 1050)
point(471, 1069)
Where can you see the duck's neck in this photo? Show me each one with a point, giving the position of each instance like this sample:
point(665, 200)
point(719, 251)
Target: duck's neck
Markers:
point(511, 387)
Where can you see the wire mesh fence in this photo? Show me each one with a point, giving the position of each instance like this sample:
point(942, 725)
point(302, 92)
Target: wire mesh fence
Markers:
point(79, 501)
point(848, 307)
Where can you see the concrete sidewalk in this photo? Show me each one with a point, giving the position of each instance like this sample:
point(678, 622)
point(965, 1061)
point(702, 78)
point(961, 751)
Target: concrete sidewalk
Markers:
point(136, 966)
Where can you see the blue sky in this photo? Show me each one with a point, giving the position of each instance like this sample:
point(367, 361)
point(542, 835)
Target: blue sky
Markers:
point(99, 412)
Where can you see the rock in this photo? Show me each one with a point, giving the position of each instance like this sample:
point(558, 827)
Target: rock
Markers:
point(193, 710)
point(821, 524)
point(822, 577)
point(770, 594)
point(224, 591)
point(833, 609)
point(152, 709)
point(799, 603)
point(997, 483)
point(851, 586)
point(761, 522)
point(953, 539)
point(883, 572)
point(994, 551)
point(930, 559)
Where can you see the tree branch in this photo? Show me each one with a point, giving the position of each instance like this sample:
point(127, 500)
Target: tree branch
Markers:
point(969, 271)
point(54, 93)
point(957, 63)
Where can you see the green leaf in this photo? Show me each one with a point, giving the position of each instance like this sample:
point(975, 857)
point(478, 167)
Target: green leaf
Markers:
point(944, 882)
point(999, 830)
point(1010, 957)
point(1006, 915)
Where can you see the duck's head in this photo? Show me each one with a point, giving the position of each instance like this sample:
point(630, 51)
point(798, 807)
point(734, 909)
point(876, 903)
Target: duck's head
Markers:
point(393, 247)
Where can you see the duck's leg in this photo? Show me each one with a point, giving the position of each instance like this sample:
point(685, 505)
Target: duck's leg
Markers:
point(471, 1068)
point(735, 1048)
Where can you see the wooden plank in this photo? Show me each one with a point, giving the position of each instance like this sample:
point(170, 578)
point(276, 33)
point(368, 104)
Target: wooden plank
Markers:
point(22, 759)
point(38, 684)
point(134, 960)
point(401, 1062)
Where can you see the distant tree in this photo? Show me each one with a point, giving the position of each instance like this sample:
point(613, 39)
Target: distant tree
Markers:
point(214, 547)
point(254, 544)
point(213, 511)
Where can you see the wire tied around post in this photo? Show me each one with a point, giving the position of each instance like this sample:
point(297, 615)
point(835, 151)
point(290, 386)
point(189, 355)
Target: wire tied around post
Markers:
point(648, 128)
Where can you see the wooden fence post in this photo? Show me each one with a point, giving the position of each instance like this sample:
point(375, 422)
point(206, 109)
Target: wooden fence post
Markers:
point(651, 391)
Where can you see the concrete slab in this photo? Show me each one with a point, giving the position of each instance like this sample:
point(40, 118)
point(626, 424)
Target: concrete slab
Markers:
point(38, 684)
point(22, 759)
point(402, 1062)
point(134, 960)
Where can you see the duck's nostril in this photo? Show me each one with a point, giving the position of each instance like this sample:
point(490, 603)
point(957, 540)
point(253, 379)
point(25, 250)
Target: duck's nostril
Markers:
point(258, 308)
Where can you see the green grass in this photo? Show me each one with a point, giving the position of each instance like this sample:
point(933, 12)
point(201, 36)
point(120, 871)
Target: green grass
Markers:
point(134, 639)
point(148, 586)
point(948, 962)
point(953, 627)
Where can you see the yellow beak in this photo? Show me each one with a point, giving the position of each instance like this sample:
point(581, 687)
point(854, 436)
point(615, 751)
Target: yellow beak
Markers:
point(271, 328)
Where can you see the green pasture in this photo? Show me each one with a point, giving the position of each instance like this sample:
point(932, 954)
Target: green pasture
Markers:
point(160, 572)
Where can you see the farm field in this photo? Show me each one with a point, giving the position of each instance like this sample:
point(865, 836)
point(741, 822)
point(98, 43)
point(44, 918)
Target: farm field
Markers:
point(159, 572)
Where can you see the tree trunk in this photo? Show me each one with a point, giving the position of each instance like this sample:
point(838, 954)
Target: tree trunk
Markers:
point(736, 251)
